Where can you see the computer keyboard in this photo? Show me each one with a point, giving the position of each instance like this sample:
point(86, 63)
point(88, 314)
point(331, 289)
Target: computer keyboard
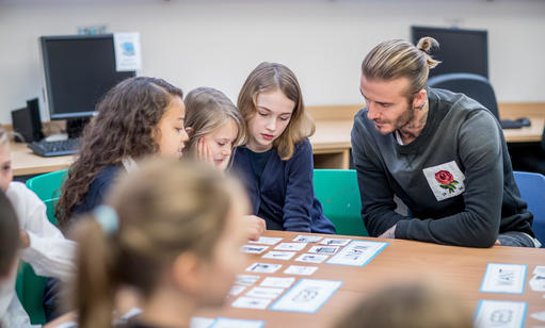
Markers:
point(515, 124)
point(55, 148)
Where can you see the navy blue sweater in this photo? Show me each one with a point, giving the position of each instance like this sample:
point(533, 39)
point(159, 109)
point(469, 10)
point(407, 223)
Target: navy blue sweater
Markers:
point(284, 193)
point(98, 189)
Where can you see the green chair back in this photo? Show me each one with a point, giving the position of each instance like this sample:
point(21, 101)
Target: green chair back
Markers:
point(47, 186)
point(338, 192)
point(29, 286)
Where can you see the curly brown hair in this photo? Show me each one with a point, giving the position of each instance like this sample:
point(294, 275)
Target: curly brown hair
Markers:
point(125, 126)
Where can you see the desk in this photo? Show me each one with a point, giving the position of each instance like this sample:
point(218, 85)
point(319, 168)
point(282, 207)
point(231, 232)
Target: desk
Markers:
point(459, 269)
point(25, 162)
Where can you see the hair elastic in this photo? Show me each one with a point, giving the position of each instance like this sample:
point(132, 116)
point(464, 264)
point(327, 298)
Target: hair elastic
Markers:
point(107, 218)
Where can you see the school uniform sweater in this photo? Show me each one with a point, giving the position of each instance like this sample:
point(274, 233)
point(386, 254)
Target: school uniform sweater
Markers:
point(455, 177)
point(283, 193)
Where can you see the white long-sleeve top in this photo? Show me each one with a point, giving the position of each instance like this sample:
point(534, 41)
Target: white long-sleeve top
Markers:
point(49, 253)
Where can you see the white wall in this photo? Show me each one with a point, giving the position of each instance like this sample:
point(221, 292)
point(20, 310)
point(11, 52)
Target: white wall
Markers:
point(217, 43)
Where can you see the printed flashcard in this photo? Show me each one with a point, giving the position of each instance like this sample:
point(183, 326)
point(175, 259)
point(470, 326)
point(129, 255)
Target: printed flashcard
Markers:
point(265, 292)
point(537, 283)
point(307, 296)
point(301, 270)
point(254, 249)
point(539, 316)
point(290, 246)
point(277, 282)
point(201, 322)
point(236, 290)
point(237, 323)
point(327, 250)
point(358, 253)
point(504, 278)
point(311, 258)
point(267, 240)
point(279, 255)
point(539, 270)
point(335, 241)
point(264, 267)
point(246, 279)
point(500, 314)
point(251, 303)
point(307, 239)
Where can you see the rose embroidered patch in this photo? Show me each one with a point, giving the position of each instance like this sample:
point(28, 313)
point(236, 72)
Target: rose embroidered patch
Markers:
point(445, 180)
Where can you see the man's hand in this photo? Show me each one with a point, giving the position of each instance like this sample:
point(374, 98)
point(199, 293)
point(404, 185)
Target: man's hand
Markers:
point(256, 226)
point(390, 233)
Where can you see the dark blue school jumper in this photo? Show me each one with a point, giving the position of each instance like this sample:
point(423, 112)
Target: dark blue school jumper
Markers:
point(94, 197)
point(283, 192)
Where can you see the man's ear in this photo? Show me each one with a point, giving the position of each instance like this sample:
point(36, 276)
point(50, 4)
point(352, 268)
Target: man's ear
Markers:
point(420, 99)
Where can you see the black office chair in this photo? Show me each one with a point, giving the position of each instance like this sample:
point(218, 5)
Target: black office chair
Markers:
point(472, 85)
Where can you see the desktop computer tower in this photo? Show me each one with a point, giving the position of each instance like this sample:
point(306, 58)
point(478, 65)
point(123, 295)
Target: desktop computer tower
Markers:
point(27, 122)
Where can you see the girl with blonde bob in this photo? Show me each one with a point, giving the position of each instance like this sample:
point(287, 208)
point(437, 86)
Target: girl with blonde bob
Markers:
point(216, 124)
point(217, 128)
point(171, 231)
point(276, 162)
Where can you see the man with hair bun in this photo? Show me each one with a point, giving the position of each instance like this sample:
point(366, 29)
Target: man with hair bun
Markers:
point(441, 153)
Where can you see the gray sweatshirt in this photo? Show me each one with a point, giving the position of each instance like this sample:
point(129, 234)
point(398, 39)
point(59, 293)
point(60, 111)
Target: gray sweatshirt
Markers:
point(455, 177)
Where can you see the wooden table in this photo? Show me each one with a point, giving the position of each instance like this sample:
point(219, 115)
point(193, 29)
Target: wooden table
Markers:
point(460, 270)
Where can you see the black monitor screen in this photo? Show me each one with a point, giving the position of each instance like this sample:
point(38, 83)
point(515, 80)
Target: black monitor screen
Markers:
point(460, 51)
point(78, 72)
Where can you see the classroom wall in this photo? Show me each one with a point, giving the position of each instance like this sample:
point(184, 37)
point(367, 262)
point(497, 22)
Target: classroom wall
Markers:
point(217, 43)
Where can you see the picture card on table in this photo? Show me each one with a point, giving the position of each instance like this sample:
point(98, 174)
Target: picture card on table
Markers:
point(307, 239)
point(254, 249)
point(502, 314)
point(290, 246)
point(301, 270)
point(265, 292)
point(277, 282)
point(237, 323)
point(504, 278)
point(279, 255)
point(311, 258)
point(251, 303)
point(267, 240)
point(307, 296)
point(358, 253)
point(264, 267)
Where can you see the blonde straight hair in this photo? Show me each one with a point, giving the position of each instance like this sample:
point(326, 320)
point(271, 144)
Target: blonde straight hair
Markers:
point(394, 59)
point(207, 109)
point(165, 208)
point(270, 77)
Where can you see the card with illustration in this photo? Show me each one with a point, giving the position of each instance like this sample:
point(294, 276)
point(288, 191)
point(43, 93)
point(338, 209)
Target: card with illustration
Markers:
point(264, 267)
point(201, 322)
point(236, 290)
point(307, 239)
point(504, 278)
point(502, 314)
point(307, 296)
point(301, 270)
point(277, 282)
point(290, 246)
point(279, 255)
point(251, 303)
point(237, 323)
point(335, 241)
point(254, 249)
point(246, 279)
point(311, 258)
point(267, 240)
point(327, 250)
point(358, 253)
point(265, 292)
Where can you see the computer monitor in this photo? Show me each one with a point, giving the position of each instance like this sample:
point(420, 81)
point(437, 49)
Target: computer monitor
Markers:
point(79, 70)
point(460, 50)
